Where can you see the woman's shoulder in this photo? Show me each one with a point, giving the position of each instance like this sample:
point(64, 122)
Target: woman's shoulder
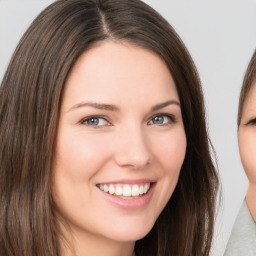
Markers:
point(242, 240)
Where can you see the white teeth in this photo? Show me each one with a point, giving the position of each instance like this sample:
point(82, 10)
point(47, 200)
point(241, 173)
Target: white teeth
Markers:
point(119, 191)
point(141, 190)
point(105, 188)
point(125, 190)
point(111, 189)
point(135, 190)
point(146, 188)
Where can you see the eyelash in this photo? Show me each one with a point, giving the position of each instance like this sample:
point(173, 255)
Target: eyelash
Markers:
point(85, 121)
point(252, 122)
point(172, 119)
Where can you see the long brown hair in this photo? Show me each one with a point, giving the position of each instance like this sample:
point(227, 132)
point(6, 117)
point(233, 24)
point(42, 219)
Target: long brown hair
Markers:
point(249, 80)
point(30, 98)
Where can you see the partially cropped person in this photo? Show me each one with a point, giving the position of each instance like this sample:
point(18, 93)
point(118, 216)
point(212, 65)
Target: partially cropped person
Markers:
point(242, 241)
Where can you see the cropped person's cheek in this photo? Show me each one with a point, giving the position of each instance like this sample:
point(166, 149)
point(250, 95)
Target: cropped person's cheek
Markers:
point(247, 136)
point(247, 147)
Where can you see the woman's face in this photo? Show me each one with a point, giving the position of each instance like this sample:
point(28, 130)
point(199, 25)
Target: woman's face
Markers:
point(247, 135)
point(120, 144)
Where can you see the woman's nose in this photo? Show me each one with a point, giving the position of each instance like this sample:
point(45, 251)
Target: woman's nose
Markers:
point(132, 148)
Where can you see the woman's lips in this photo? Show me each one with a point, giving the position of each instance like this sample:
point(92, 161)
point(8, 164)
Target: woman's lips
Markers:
point(127, 195)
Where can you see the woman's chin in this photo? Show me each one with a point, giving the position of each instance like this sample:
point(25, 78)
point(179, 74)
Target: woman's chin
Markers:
point(130, 235)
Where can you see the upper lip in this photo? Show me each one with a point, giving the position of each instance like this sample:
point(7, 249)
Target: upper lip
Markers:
point(129, 181)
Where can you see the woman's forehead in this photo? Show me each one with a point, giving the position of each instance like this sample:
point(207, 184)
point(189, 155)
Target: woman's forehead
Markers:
point(113, 71)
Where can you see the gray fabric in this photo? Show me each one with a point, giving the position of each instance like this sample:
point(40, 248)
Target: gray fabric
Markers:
point(242, 241)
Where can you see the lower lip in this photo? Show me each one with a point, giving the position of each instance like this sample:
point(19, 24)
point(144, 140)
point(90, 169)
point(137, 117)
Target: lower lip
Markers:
point(130, 204)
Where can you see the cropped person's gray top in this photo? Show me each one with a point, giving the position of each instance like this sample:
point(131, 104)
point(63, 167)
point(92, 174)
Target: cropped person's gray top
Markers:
point(242, 241)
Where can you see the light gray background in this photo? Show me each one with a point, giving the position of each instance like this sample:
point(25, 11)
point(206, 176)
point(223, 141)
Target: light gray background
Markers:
point(221, 37)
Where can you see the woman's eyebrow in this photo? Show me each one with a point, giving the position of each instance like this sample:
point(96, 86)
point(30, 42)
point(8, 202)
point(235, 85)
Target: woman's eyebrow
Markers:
point(109, 107)
point(165, 104)
point(95, 105)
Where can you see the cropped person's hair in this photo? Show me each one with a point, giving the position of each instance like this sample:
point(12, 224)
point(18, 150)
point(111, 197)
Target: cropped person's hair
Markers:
point(248, 82)
point(30, 100)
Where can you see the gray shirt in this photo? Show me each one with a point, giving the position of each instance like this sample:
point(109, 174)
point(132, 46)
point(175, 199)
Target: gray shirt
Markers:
point(242, 241)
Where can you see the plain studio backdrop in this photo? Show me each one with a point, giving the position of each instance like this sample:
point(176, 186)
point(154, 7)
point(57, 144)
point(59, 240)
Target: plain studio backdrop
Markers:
point(221, 37)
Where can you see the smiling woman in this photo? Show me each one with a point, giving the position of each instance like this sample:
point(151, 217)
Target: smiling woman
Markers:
point(104, 147)
point(133, 176)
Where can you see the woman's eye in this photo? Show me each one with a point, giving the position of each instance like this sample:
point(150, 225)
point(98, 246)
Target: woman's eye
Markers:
point(162, 119)
point(252, 122)
point(95, 121)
